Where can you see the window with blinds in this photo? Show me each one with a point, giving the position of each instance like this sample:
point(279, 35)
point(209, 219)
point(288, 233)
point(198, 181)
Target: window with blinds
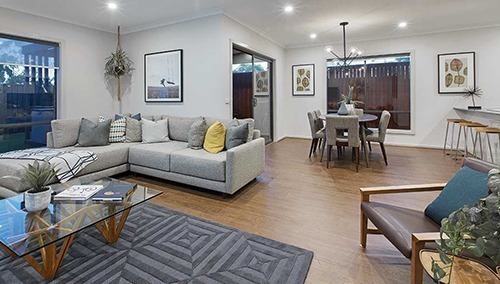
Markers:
point(380, 83)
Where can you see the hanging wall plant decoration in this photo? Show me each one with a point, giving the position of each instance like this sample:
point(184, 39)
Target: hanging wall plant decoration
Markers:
point(118, 64)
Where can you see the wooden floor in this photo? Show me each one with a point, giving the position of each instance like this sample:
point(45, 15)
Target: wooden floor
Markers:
point(300, 202)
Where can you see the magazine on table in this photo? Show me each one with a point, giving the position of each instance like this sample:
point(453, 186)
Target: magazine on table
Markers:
point(78, 192)
point(115, 191)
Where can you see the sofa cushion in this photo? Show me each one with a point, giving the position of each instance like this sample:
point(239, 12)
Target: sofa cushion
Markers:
point(465, 188)
point(65, 132)
point(196, 135)
point(156, 156)
point(251, 127)
point(154, 131)
point(109, 156)
point(94, 134)
point(215, 138)
point(133, 133)
point(178, 127)
point(236, 135)
point(117, 130)
point(199, 164)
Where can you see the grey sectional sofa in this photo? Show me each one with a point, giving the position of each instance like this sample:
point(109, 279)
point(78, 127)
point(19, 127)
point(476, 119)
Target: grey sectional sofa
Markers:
point(225, 172)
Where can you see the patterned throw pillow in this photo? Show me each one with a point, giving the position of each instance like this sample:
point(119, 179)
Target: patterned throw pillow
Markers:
point(117, 131)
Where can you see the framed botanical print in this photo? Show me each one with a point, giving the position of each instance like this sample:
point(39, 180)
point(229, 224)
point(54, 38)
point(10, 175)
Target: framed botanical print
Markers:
point(163, 82)
point(303, 80)
point(456, 71)
point(261, 81)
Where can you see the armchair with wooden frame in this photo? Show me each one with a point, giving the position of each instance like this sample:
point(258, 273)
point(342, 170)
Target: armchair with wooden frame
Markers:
point(408, 230)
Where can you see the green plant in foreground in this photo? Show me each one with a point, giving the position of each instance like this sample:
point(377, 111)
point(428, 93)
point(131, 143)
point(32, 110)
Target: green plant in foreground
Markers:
point(38, 175)
point(475, 229)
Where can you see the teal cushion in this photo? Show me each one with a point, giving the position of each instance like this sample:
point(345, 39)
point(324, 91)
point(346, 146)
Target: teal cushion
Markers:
point(465, 188)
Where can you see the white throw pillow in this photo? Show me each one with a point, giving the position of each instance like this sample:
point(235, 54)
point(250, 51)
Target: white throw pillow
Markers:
point(154, 131)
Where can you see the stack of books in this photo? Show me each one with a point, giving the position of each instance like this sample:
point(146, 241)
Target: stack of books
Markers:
point(78, 192)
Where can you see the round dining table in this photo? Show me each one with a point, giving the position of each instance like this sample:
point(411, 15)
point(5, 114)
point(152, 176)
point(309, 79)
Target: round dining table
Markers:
point(363, 119)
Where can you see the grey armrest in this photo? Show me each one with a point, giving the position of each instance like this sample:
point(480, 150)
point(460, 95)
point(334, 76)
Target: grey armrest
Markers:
point(244, 163)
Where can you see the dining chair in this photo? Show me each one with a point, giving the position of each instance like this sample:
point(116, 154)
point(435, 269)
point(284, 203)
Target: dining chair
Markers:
point(358, 111)
point(348, 123)
point(379, 136)
point(316, 134)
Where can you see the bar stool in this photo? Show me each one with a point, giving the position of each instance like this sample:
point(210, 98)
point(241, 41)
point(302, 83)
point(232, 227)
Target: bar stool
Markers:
point(467, 126)
point(487, 131)
point(453, 121)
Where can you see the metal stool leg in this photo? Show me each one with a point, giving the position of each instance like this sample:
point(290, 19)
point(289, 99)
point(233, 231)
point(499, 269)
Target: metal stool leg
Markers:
point(446, 137)
point(489, 146)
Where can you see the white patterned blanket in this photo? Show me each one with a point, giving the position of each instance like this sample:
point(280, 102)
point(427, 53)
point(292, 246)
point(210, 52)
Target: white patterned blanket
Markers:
point(69, 163)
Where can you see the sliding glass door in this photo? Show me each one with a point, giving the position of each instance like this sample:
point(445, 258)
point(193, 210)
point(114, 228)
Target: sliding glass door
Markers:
point(252, 90)
point(28, 91)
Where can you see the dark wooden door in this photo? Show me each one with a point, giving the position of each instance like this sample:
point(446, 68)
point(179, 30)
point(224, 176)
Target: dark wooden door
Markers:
point(243, 95)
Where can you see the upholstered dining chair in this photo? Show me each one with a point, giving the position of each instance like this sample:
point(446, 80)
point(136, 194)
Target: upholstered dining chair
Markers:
point(412, 230)
point(379, 136)
point(316, 134)
point(336, 124)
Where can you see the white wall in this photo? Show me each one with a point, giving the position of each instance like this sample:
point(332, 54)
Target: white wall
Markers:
point(201, 41)
point(82, 89)
point(431, 109)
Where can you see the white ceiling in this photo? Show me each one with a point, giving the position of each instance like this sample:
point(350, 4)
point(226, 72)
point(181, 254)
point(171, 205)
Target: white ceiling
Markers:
point(369, 19)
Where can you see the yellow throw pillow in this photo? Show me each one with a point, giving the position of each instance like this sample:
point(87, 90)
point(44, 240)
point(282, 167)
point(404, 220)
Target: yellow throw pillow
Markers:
point(215, 138)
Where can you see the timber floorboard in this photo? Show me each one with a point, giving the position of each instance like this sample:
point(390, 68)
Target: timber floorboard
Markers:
point(300, 202)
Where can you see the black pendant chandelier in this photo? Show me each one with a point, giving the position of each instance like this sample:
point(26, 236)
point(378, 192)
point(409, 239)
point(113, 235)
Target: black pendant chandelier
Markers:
point(347, 59)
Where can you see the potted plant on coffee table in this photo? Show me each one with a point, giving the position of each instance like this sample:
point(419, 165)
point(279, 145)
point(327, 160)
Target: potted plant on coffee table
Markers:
point(37, 176)
point(475, 229)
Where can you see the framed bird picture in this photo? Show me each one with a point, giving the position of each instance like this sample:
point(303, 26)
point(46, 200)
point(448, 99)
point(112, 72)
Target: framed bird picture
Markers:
point(456, 72)
point(163, 82)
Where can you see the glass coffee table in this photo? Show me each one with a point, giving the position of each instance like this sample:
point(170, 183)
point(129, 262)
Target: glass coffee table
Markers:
point(23, 233)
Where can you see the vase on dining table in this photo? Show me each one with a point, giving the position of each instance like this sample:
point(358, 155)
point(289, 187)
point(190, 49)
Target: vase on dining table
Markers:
point(343, 109)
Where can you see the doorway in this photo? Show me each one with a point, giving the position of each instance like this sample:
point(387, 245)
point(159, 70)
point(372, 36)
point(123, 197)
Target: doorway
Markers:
point(253, 90)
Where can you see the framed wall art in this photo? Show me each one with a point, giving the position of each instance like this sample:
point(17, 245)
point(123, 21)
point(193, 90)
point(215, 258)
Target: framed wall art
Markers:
point(163, 78)
point(456, 71)
point(261, 81)
point(303, 80)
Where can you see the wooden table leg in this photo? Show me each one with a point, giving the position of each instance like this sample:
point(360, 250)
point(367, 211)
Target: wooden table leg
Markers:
point(109, 229)
point(51, 259)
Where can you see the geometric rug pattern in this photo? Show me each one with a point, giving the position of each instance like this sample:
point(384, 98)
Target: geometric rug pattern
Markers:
point(158, 245)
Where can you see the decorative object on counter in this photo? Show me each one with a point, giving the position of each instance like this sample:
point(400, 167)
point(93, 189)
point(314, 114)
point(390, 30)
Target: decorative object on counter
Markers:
point(163, 77)
point(456, 71)
point(347, 59)
point(471, 92)
point(348, 101)
point(343, 109)
point(473, 229)
point(118, 64)
point(38, 176)
point(303, 80)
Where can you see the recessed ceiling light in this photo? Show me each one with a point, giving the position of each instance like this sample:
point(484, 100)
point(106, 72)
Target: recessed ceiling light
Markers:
point(112, 6)
point(289, 9)
point(313, 36)
point(403, 24)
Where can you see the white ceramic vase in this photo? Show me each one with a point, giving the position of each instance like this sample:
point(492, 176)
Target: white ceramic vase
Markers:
point(350, 108)
point(37, 201)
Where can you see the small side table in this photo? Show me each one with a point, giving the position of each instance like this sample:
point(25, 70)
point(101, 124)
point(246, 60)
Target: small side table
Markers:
point(465, 270)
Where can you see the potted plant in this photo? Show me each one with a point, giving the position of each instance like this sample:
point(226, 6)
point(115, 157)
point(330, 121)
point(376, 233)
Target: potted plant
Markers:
point(118, 64)
point(37, 176)
point(347, 103)
point(475, 229)
point(471, 92)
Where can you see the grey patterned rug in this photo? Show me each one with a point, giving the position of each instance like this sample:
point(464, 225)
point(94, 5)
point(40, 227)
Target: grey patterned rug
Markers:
point(158, 245)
